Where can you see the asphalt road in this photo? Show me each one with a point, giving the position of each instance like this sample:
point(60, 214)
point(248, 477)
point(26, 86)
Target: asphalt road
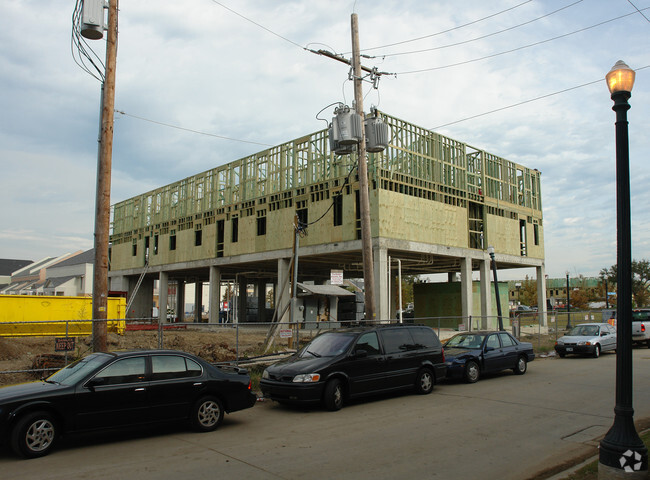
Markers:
point(503, 427)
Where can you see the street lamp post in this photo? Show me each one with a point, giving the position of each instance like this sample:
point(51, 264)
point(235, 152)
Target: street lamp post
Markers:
point(568, 303)
point(622, 453)
point(496, 285)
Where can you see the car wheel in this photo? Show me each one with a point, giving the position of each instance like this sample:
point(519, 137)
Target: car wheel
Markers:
point(472, 372)
point(207, 414)
point(424, 382)
point(333, 397)
point(521, 367)
point(596, 353)
point(562, 355)
point(34, 435)
point(647, 342)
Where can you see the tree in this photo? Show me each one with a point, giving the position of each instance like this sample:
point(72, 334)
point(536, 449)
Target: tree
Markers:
point(528, 292)
point(640, 280)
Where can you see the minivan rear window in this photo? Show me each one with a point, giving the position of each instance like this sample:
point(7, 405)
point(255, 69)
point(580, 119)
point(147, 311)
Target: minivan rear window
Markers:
point(424, 337)
point(397, 340)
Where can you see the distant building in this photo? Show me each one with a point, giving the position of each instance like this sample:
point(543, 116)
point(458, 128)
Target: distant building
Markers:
point(71, 277)
point(9, 266)
point(32, 278)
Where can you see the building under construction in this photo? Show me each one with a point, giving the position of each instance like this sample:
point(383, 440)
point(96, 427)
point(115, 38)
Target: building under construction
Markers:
point(435, 205)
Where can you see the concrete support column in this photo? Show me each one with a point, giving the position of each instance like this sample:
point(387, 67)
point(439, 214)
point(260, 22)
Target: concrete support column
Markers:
point(486, 294)
point(541, 295)
point(382, 307)
point(198, 301)
point(180, 299)
point(466, 289)
point(163, 290)
point(334, 308)
point(215, 294)
point(142, 305)
point(282, 292)
point(394, 291)
point(241, 299)
point(261, 300)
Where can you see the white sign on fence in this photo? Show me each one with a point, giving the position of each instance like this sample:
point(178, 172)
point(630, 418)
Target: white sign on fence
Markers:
point(286, 333)
point(336, 277)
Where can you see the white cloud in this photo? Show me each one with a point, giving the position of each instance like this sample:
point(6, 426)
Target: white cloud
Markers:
point(197, 65)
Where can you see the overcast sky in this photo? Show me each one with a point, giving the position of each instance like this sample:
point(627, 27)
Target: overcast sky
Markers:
point(239, 69)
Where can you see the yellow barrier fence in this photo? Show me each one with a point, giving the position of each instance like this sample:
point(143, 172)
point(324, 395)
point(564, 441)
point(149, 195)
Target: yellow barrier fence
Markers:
point(32, 315)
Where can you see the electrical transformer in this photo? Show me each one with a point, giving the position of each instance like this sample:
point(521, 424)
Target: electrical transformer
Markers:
point(336, 147)
point(376, 134)
point(92, 19)
point(346, 126)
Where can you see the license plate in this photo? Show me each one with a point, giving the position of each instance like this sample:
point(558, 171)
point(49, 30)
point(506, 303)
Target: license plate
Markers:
point(569, 349)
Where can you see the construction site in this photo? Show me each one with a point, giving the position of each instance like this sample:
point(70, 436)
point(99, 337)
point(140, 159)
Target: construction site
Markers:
point(436, 205)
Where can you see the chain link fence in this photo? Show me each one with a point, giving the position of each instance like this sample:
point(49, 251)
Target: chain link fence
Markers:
point(25, 354)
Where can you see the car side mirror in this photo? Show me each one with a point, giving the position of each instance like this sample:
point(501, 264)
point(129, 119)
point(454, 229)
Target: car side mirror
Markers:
point(488, 349)
point(360, 353)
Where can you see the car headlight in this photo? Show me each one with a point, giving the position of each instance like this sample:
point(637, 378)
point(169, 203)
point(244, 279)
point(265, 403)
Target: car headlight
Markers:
point(583, 343)
point(559, 342)
point(265, 374)
point(306, 378)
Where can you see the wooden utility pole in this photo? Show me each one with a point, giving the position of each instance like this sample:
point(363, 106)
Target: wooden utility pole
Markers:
point(364, 199)
point(103, 195)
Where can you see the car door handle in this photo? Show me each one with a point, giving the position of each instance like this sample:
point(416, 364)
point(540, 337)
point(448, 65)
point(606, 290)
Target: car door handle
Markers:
point(197, 384)
point(141, 389)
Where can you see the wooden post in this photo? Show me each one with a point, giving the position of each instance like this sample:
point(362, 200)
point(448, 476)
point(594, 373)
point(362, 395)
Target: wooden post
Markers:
point(364, 198)
point(103, 195)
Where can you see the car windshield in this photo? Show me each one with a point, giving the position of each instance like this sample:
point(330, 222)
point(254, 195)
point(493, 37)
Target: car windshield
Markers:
point(584, 331)
point(78, 370)
point(327, 345)
point(470, 340)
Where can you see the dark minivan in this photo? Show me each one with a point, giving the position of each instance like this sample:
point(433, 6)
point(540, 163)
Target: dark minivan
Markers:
point(347, 363)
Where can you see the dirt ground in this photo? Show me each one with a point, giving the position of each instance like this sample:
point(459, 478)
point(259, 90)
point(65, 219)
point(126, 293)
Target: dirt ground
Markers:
point(27, 353)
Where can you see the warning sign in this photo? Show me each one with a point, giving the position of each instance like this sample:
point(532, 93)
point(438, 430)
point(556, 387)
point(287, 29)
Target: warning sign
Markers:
point(64, 344)
point(286, 333)
point(336, 277)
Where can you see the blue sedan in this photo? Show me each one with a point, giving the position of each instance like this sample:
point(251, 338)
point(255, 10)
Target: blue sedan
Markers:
point(469, 355)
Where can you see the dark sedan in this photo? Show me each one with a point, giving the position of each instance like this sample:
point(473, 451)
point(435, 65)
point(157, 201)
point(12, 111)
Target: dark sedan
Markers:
point(113, 390)
point(471, 354)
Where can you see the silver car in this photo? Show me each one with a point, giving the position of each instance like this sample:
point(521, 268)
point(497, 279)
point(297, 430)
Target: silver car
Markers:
point(587, 339)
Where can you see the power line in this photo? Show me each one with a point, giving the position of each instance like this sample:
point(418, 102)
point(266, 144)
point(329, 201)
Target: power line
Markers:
point(518, 48)
point(526, 101)
point(258, 25)
point(637, 9)
point(482, 37)
point(190, 130)
point(448, 30)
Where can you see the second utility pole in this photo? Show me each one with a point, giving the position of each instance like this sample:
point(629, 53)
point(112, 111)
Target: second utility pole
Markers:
point(364, 199)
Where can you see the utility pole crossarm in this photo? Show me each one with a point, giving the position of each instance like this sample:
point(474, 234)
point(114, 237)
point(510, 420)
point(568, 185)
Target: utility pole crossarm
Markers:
point(342, 59)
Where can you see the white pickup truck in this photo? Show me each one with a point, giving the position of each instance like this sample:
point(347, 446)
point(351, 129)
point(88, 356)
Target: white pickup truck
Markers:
point(641, 326)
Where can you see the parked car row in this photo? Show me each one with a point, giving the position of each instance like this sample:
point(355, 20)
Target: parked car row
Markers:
point(126, 389)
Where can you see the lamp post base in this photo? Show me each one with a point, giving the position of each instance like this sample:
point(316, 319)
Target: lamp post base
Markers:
point(622, 453)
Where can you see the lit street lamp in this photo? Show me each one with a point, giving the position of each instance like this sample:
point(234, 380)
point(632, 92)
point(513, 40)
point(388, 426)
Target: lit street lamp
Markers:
point(622, 453)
